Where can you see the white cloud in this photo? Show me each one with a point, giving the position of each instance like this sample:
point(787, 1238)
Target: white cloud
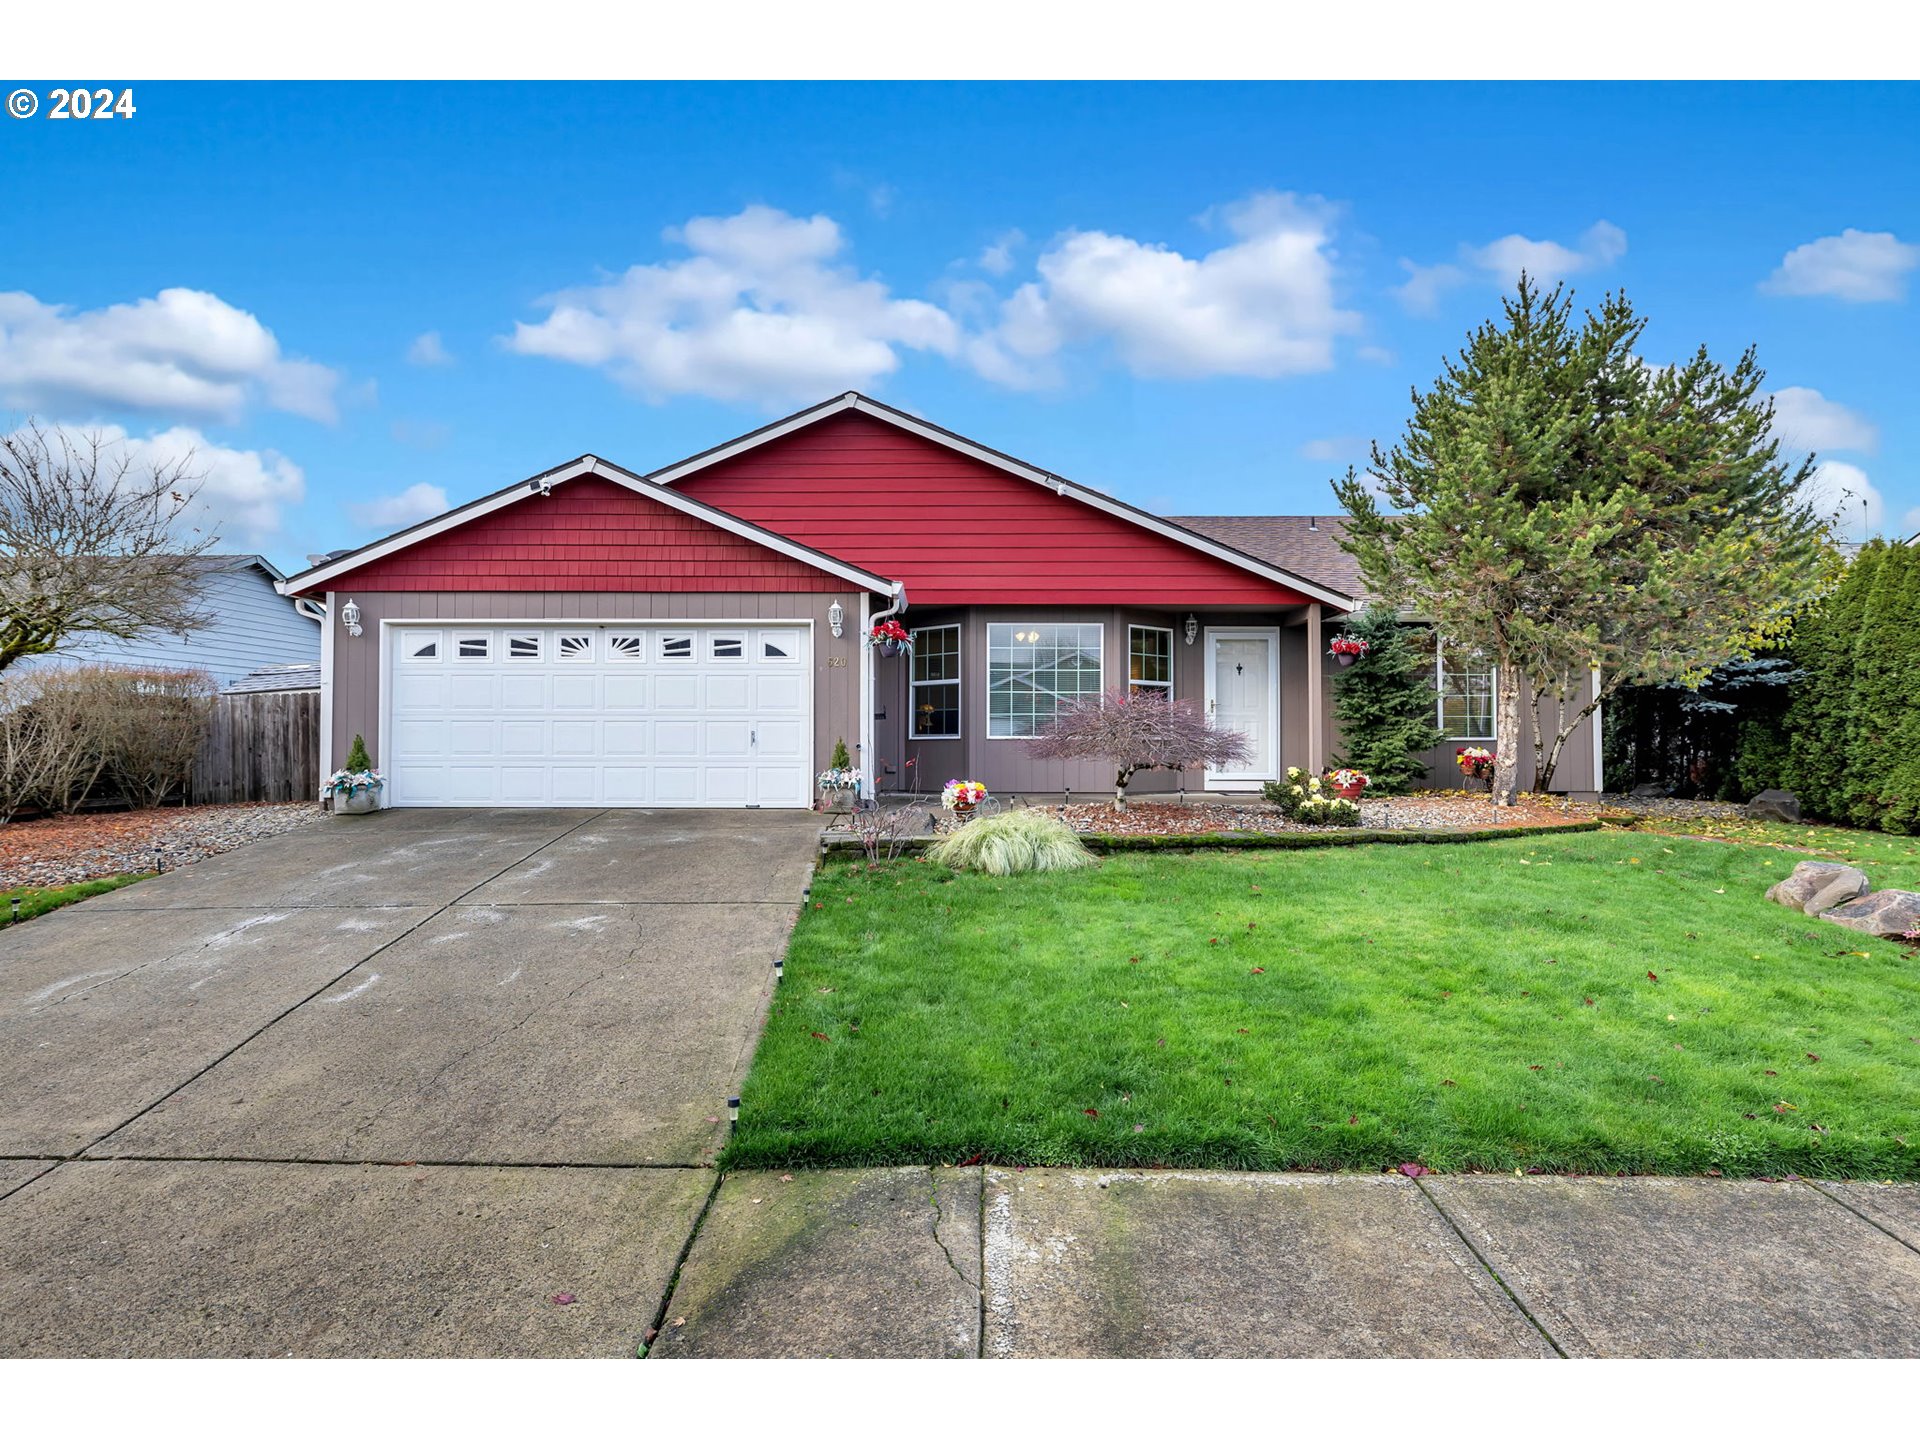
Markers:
point(1262, 305)
point(1805, 419)
point(997, 258)
point(1548, 261)
point(1856, 265)
point(181, 352)
point(395, 512)
point(759, 311)
point(1425, 284)
point(1503, 260)
point(240, 493)
point(1335, 447)
point(427, 349)
point(1846, 498)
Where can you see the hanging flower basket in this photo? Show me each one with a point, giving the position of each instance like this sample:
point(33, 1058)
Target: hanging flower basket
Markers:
point(890, 638)
point(1348, 648)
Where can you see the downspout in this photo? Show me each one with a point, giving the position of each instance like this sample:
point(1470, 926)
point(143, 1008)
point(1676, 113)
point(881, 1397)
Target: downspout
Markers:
point(867, 683)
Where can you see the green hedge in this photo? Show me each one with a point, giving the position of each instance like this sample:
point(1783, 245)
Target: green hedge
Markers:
point(1852, 729)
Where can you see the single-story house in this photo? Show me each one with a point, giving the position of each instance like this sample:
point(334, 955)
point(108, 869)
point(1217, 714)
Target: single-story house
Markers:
point(250, 623)
point(696, 635)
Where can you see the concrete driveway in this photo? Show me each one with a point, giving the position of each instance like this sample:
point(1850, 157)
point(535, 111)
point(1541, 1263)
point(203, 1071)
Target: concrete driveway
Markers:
point(427, 1083)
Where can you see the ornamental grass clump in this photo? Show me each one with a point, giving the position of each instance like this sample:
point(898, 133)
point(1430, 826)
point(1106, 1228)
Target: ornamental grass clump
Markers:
point(1012, 844)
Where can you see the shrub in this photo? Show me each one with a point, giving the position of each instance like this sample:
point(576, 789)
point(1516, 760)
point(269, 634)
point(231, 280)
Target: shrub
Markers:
point(841, 759)
point(884, 830)
point(1133, 732)
point(1384, 702)
point(152, 724)
point(1011, 844)
point(357, 758)
point(1303, 799)
point(51, 742)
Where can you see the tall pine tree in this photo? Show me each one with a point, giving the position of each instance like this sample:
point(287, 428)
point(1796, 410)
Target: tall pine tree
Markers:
point(1384, 704)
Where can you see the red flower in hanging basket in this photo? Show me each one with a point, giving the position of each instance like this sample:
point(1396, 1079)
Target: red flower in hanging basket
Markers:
point(1349, 645)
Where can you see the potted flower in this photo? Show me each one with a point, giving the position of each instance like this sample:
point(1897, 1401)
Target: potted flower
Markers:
point(1348, 648)
point(1476, 763)
point(356, 789)
point(839, 783)
point(1347, 783)
point(890, 637)
point(963, 797)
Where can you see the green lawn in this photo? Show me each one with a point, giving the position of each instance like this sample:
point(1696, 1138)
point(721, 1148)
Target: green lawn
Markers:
point(38, 902)
point(1467, 1007)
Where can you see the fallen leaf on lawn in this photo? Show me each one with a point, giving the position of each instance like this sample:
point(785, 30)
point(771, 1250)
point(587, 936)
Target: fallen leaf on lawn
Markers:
point(1813, 1057)
point(1138, 1128)
point(1242, 1032)
point(1536, 1067)
point(1258, 970)
point(818, 1036)
point(1653, 977)
point(786, 1179)
point(1782, 1107)
point(1450, 1082)
point(1091, 1111)
point(1769, 1072)
point(1586, 1000)
point(1413, 1171)
point(1353, 1119)
point(973, 1159)
point(759, 1200)
point(679, 1321)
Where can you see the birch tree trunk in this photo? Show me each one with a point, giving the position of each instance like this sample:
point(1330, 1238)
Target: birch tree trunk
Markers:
point(1506, 733)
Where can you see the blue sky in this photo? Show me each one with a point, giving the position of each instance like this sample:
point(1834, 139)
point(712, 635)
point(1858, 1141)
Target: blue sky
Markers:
point(1200, 298)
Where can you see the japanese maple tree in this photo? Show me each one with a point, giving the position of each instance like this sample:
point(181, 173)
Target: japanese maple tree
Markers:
point(1135, 731)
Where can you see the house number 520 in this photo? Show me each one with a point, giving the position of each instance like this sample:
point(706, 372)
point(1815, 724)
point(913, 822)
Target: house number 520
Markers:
point(836, 662)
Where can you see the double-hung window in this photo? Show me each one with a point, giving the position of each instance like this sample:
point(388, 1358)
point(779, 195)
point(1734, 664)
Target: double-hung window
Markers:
point(1465, 681)
point(935, 683)
point(1150, 661)
point(1034, 669)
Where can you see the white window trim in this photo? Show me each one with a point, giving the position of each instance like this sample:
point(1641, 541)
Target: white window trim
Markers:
point(992, 625)
point(1164, 686)
point(1440, 697)
point(958, 682)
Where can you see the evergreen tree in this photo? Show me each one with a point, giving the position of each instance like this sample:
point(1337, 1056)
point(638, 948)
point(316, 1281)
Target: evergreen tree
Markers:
point(1819, 721)
point(1384, 704)
point(357, 755)
point(1883, 732)
point(1562, 506)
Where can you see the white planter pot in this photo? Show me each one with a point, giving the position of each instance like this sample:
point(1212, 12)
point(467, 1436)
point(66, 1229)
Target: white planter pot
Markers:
point(361, 802)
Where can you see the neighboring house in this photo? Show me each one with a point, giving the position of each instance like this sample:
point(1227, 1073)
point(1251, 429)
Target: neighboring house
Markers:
point(249, 624)
point(694, 636)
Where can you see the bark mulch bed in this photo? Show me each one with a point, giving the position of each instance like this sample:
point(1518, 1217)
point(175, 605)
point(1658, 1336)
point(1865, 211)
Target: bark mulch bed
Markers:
point(66, 849)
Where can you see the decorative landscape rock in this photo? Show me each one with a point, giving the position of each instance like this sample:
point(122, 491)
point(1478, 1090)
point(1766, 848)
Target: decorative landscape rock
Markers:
point(1889, 914)
point(1837, 891)
point(1812, 877)
point(1649, 791)
point(1775, 805)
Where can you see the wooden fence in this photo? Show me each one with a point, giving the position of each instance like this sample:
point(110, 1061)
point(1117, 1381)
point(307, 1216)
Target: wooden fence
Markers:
point(263, 745)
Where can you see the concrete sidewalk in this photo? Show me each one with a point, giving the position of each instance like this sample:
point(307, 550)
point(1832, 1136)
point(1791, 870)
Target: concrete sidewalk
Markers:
point(919, 1262)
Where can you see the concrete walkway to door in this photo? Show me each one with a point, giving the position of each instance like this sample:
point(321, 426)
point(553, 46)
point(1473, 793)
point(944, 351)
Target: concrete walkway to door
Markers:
point(423, 1083)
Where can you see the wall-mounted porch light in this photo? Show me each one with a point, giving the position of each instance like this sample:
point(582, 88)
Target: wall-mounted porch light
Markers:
point(350, 617)
point(1193, 629)
point(836, 619)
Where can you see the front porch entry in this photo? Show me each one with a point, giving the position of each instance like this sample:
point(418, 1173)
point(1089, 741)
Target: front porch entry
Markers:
point(1243, 693)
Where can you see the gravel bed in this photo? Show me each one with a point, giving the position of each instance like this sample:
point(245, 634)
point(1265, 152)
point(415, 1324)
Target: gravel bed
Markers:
point(1434, 810)
point(66, 849)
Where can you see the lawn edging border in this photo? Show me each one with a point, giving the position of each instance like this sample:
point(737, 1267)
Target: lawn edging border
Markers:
point(848, 846)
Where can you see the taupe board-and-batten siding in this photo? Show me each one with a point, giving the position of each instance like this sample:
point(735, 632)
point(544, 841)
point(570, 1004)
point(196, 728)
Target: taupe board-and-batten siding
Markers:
point(356, 659)
point(262, 745)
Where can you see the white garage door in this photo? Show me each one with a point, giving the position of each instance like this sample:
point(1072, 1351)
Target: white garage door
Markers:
point(593, 714)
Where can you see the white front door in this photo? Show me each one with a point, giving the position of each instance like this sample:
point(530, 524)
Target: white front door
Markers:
point(596, 713)
point(1243, 693)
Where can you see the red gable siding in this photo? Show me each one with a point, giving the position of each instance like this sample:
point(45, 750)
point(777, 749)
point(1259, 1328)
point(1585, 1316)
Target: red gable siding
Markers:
point(590, 534)
point(957, 530)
